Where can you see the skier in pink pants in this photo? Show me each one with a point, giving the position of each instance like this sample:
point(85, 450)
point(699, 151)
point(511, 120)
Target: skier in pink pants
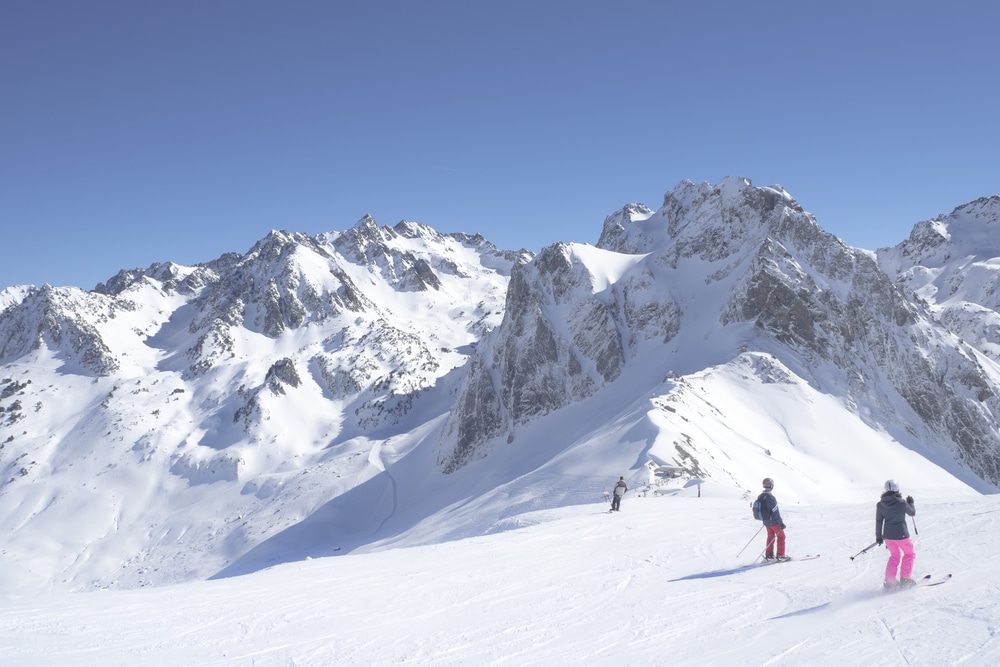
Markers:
point(890, 527)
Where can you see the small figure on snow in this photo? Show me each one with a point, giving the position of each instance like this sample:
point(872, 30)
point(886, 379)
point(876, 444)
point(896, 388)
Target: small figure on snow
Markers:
point(890, 527)
point(771, 516)
point(616, 497)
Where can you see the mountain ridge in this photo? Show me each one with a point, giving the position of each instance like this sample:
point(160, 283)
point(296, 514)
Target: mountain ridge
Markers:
point(382, 386)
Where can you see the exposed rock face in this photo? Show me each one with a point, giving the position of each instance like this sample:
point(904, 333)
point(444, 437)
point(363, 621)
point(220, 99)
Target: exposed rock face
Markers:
point(282, 374)
point(362, 348)
point(950, 264)
point(285, 281)
point(310, 372)
point(950, 267)
point(367, 243)
point(480, 418)
point(758, 258)
point(63, 319)
point(558, 343)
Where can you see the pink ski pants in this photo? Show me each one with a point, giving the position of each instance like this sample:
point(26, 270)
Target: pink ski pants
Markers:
point(899, 549)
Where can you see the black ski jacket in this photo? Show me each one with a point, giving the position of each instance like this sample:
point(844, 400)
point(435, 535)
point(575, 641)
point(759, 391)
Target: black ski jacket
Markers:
point(767, 500)
point(890, 517)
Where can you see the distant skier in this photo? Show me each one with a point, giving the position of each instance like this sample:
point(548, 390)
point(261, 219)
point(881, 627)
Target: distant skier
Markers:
point(616, 496)
point(890, 527)
point(771, 516)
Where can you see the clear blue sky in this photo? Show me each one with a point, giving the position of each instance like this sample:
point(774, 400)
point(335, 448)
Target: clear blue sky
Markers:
point(135, 131)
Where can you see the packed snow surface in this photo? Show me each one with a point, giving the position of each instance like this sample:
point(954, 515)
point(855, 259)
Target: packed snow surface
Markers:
point(277, 498)
point(668, 580)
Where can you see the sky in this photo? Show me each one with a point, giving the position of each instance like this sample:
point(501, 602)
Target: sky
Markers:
point(142, 132)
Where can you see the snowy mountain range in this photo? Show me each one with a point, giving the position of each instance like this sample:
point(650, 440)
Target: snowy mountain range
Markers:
point(395, 386)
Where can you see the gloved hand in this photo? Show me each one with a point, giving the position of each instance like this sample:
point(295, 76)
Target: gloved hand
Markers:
point(909, 499)
point(878, 541)
point(782, 526)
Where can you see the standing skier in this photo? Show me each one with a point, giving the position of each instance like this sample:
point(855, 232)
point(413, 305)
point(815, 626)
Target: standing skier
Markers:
point(771, 516)
point(890, 526)
point(616, 497)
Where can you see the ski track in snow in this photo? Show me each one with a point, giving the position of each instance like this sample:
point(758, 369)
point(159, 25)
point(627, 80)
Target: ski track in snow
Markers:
point(658, 583)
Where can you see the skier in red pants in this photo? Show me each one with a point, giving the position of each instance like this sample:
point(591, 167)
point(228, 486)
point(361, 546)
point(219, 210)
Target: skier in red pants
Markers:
point(771, 516)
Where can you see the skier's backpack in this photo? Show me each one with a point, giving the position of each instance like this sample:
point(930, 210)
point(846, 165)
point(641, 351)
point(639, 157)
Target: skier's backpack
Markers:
point(761, 511)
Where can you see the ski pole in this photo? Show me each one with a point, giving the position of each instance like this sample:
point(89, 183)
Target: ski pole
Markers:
point(914, 520)
point(864, 550)
point(751, 540)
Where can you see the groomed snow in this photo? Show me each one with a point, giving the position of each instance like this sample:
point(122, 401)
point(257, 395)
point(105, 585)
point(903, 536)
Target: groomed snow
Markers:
point(660, 583)
point(157, 531)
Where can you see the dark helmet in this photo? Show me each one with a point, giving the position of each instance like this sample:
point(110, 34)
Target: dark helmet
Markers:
point(768, 483)
point(891, 486)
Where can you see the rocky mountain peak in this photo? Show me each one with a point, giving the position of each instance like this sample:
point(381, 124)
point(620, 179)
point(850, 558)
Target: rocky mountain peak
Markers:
point(746, 256)
point(323, 381)
point(705, 220)
point(950, 265)
point(64, 322)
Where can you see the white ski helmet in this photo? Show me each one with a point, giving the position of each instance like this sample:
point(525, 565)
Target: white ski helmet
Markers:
point(891, 486)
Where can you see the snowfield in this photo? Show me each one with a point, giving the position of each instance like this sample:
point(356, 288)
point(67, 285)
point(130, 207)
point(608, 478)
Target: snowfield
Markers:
point(658, 583)
point(389, 446)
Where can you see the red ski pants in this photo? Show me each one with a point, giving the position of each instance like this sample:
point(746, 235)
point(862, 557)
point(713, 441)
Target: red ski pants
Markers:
point(775, 535)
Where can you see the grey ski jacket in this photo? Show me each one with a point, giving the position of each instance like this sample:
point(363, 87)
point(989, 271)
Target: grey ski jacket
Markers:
point(890, 517)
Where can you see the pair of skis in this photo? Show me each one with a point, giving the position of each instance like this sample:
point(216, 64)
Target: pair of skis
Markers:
point(791, 558)
point(923, 582)
point(930, 580)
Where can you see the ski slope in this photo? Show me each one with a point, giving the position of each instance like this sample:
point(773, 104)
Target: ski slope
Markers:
point(658, 583)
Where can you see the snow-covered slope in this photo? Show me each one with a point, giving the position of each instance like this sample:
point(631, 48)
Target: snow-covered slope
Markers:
point(660, 583)
point(393, 387)
point(163, 424)
point(953, 264)
point(725, 276)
